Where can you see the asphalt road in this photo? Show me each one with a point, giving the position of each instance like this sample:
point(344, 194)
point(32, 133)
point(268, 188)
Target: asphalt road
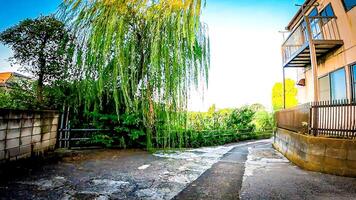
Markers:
point(269, 175)
point(249, 170)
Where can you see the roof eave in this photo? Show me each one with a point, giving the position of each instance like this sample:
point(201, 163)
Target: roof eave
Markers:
point(299, 14)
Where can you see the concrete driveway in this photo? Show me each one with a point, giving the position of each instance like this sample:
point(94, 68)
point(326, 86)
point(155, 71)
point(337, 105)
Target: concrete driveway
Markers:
point(248, 170)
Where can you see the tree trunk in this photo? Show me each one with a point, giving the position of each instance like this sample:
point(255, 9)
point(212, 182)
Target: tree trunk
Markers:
point(150, 118)
point(40, 88)
point(41, 74)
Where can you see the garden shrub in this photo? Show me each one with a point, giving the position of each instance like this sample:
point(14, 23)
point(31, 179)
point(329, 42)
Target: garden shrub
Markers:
point(241, 119)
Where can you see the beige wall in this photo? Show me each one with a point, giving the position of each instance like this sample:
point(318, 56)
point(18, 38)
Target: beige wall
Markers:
point(342, 57)
point(26, 133)
point(327, 155)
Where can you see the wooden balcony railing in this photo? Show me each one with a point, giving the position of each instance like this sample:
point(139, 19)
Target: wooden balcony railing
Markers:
point(325, 34)
point(325, 119)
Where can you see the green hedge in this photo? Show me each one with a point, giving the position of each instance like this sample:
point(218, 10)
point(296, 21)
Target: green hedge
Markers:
point(194, 139)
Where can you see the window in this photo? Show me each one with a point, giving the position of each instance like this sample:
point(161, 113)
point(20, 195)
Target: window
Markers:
point(327, 11)
point(353, 71)
point(349, 4)
point(313, 13)
point(314, 24)
point(333, 86)
point(338, 84)
point(324, 88)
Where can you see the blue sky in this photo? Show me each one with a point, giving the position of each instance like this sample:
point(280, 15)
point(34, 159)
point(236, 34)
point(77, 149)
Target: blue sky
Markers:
point(245, 45)
point(13, 11)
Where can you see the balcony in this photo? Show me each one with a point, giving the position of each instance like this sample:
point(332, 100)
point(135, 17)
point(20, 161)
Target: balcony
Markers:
point(325, 35)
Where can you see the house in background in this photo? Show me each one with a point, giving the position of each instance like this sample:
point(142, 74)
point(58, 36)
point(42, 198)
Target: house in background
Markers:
point(320, 133)
point(7, 79)
point(322, 47)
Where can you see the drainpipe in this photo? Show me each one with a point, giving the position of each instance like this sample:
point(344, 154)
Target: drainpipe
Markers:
point(284, 88)
point(348, 83)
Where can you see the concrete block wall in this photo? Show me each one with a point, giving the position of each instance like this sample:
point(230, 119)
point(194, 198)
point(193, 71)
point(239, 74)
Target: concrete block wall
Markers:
point(327, 155)
point(26, 133)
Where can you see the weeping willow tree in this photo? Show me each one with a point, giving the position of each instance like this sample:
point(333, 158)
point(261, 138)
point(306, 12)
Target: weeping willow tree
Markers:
point(145, 55)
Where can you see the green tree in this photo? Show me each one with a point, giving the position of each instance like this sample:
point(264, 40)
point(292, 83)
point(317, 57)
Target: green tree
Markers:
point(211, 110)
point(20, 96)
point(4, 98)
point(263, 121)
point(257, 107)
point(241, 119)
point(145, 55)
point(42, 47)
point(291, 95)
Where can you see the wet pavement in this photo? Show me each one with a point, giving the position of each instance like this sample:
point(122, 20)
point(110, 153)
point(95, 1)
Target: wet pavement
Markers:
point(249, 170)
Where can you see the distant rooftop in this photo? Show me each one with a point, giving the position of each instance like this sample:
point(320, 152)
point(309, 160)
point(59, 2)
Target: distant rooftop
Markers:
point(6, 76)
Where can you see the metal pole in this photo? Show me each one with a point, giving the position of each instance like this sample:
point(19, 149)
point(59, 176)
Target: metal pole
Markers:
point(67, 132)
point(314, 66)
point(61, 128)
point(349, 83)
point(69, 136)
point(284, 89)
point(314, 62)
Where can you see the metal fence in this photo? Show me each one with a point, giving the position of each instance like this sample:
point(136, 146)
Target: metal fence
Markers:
point(327, 118)
point(334, 119)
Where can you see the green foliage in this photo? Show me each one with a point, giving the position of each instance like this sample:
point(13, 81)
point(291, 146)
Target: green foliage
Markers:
point(42, 47)
point(135, 64)
point(264, 121)
point(256, 107)
point(212, 120)
point(125, 131)
point(132, 126)
point(136, 134)
point(195, 139)
point(122, 143)
point(21, 96)
point(60, 93)
point(291, 95)
point(217, 127)
point(241, 119)
point(101, 139)
point(142, 57)
point(5, 97)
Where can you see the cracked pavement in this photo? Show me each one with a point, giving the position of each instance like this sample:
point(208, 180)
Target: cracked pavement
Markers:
point(246, 170)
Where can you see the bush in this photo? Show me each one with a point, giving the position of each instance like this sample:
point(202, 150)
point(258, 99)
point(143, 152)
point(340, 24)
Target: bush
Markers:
point(264, 121)
point(21, 96)
point(126, 131)
point(241, 119)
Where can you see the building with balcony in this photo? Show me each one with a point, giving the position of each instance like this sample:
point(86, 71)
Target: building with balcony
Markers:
point(322, 45)
point(320, 133)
